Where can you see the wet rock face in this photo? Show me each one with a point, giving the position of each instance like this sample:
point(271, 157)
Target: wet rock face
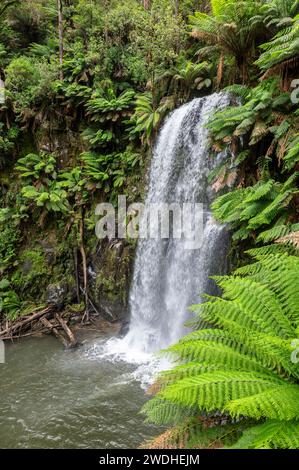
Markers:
point(110, 274)
point(58, 294)
point(49, 252)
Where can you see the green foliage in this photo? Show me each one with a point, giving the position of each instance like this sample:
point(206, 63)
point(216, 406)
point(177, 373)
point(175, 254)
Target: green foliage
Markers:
point(249, 209)
point(109, 172)
point(28, 80)
point(104, 105)
point(185, 79)
point(52, 198)
point(43, 191)
point(148, 116)
point(256, 118)
point(32, 274)
point(196, 433)
point(282, 49)
point(9, 301)
point(21, 74)
point(241, 367)
point(75, 134)
point(270, 435)
point(278, 231)
point(277, 14)
point(292, 156)
point(9, 237)
point(228, 31)
point(73, 94)
point(8, 139)
point(97, 138)
point(37, 167)
point(6, 4)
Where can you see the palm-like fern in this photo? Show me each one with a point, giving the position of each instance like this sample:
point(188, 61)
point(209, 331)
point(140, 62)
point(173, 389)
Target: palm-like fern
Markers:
point(148, 116)
point(256, 207)
point(242, 366)
point(260, 115)
point(6, 5)
point(184, 79)
point(277, 14)
point(105, 105)
point(229, 30)
point(37, 167)
point(292, 156)
point(282, 51)
point(263, 121)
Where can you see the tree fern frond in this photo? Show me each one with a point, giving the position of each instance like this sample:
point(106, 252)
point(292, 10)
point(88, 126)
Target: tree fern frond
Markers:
point(160, 411)
point(276, 402)
point(243, 366)
point(218, 390)
point(272, 250)
point(277, 232)
point(270, 435)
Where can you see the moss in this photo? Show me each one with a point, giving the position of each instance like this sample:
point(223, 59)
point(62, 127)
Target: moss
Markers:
point(31, 278)
point(41, 263)
point(113, 268)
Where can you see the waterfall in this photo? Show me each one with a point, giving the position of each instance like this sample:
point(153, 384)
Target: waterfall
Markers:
point(168, 277)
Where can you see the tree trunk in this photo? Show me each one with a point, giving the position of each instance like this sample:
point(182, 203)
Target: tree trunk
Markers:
point(60, 35)
point(2, 90)
point(84, 266)
point(220, 70)
point(176, 8)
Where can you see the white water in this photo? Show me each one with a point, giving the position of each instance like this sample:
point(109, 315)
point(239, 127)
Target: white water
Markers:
point(168, 277)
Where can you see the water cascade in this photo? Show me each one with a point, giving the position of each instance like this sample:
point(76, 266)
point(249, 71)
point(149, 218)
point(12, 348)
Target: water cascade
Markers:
point(168, 277)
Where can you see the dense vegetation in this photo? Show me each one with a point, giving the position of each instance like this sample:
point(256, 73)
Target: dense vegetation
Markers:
point(87, 85)
point(79, 116)
point(236, 384)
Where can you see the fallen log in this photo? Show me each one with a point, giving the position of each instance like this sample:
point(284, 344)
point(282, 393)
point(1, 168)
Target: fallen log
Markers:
point(95, 309)
point(72, 340)
point(34, 332)
point(56, 332)
point(23, 322)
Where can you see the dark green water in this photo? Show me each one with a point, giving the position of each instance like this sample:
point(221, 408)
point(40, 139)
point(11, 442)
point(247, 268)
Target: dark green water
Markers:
point(52, 398)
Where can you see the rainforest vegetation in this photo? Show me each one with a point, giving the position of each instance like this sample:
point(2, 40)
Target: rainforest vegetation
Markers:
point(85, 86)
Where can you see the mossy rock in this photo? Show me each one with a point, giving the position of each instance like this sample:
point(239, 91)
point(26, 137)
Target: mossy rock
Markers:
point(112, 268)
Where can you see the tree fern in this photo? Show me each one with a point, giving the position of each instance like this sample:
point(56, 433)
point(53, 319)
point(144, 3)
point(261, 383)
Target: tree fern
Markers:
point(281, 49)
point(197, 433)
point(277, 232)
point(270, 435)
point(252, 208)
point(228, 29)
point(105, 105)
point(242, 367)
point(292, 156)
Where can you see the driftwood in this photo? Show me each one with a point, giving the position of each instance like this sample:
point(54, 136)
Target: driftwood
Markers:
point(53, 329)
point(72, 340)
point(108, 314)
point(77, 275)
point(23, 322)
point(42, 321)
point(84, 266)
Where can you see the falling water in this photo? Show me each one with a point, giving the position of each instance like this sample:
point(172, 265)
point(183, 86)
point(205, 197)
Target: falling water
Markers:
point(168, 277)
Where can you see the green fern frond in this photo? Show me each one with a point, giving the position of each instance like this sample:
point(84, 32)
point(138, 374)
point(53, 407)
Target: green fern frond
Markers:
point(270, 435)
point(277, 232)
point(243, 366)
